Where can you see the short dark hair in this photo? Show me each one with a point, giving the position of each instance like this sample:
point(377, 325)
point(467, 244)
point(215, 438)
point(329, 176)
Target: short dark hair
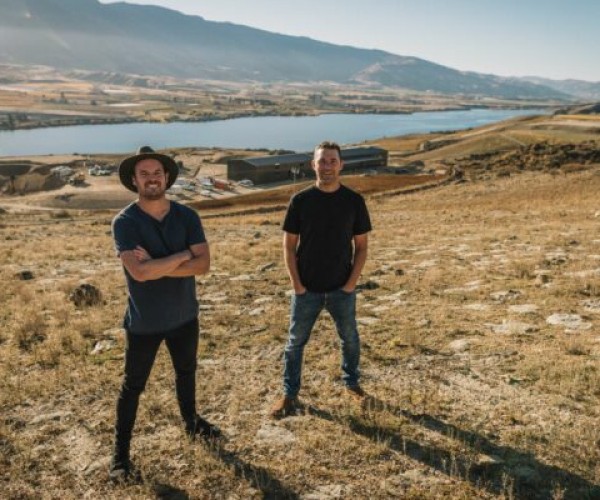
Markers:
point(330, 145)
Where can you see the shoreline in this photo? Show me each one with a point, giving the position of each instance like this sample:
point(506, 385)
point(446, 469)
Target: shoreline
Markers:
point(82, 120)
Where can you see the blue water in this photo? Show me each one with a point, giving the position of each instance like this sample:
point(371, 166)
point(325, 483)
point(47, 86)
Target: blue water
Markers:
point(294, 133)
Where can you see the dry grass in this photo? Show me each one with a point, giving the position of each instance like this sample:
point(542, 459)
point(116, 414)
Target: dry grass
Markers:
point(471, 397)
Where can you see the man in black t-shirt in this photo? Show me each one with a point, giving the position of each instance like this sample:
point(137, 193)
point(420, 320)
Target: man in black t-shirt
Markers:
point(325, 248)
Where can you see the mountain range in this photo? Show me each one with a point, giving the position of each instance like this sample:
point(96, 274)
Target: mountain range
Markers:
point(150, 40)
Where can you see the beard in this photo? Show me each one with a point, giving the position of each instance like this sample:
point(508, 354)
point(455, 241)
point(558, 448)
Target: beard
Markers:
point(152, 193)
point(328, 178)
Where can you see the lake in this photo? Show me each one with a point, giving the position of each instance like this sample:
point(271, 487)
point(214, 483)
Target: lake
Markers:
point(300, 133)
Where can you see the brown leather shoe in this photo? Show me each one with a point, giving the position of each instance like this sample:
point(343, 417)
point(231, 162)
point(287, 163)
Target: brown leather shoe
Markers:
point(356, 393)
point(284, 407)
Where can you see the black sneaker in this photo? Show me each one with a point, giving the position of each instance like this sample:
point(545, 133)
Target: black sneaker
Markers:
point(123, 471)
point(204, 429)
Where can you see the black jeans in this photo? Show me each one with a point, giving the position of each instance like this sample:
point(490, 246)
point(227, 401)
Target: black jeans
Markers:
point(140, 352)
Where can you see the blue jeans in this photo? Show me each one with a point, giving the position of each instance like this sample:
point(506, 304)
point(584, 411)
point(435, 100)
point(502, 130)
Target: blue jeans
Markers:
point(305, 309)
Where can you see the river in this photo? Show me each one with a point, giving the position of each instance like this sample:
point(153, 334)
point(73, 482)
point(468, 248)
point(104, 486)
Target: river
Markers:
point(277, 132)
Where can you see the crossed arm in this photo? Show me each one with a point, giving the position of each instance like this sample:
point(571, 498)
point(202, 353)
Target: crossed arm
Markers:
point(191, 262)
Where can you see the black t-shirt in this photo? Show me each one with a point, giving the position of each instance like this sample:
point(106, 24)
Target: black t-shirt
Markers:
point(327, 224)
point(161, 305)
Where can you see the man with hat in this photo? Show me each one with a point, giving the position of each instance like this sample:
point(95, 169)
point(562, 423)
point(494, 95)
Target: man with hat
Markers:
point(162, 246)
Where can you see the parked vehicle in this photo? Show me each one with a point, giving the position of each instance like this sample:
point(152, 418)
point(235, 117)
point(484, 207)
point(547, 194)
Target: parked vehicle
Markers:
point(221, 184)
point(98, 170)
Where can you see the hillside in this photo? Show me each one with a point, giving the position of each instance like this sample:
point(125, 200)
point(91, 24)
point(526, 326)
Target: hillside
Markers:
point(479, 321)
point(589, 91)
point(479, 314)
point(87, 35)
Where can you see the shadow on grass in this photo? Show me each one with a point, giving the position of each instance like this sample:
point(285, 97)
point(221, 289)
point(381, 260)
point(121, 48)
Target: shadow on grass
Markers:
point(259, 477)
point(509, 469)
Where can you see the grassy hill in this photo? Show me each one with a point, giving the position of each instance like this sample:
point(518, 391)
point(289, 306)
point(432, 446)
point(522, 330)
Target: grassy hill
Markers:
point(479, 319)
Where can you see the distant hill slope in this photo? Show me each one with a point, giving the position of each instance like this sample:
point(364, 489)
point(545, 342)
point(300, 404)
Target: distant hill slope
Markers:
point(148, 40)
point(578, 88)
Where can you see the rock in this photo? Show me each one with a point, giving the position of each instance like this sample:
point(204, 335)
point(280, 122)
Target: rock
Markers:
point(460, 345)
point(369, 285)
point(266, 267)
point(569, 321)
point(256, 312)
point(486, 462)
point(24, 275)
point(591, 305)
point(274, 435)
point(241, 277)
point(381, 271)
point(515, 327)
point(263, 300)
point(103, 346)
point(505, 295)
point(215, 297)
point(48, 417)
point(367, 321)
point(86, 295)
point(523, 308)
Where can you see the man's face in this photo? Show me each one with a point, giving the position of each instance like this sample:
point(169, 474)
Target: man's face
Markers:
point(150, 179)
point(327, 165)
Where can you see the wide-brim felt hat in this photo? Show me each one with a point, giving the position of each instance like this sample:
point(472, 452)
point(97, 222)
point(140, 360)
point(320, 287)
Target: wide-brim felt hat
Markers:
point(127, 166)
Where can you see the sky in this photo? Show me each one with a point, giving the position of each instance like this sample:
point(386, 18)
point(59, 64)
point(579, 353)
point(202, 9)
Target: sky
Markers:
point(557, 39)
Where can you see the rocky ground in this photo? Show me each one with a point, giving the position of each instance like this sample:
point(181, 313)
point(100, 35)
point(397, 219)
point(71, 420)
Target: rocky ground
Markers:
point(539, 156)
point(479, 311)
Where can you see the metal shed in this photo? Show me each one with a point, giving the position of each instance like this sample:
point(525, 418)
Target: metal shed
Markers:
point(364, 157)
point(279, 168)
point(267, 169)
